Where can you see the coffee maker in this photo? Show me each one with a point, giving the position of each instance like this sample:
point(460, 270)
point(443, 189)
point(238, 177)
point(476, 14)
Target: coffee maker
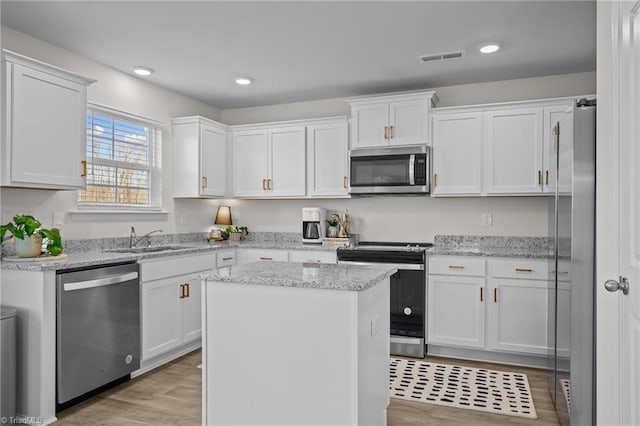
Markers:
point(313, 224)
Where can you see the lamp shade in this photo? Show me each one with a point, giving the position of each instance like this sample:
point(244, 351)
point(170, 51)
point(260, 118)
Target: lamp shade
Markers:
point(223, 216)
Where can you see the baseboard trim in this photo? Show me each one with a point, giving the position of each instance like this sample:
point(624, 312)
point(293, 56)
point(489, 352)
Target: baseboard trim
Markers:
point(160, 360)
point(521, 360)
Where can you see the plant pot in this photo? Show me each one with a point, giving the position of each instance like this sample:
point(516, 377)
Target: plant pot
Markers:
point(29, 247)
point(235, 236)
point(332, 231)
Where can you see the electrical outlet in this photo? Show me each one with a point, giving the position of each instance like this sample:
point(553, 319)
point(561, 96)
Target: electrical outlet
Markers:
point(58, 219)
point(183, 219)
point(487, 219)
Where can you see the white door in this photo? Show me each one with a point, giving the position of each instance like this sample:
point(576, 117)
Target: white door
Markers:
point(514, 151)
point(191, 309)
point(250, 159)
point(518, 315)
point(213, 161)
point(629, 216)
point(457, 160)
point(287, 160)
point(562, 154)
point(408, 122)
point(456, 309)
point(161, 316)
point(328, 160)
point(48, 136)
point(370, 125)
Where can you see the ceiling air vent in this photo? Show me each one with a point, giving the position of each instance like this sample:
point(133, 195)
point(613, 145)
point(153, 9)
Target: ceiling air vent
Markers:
point(442, 56)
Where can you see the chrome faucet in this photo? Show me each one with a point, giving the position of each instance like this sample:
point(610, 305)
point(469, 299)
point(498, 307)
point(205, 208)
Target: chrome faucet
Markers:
point(134, 240)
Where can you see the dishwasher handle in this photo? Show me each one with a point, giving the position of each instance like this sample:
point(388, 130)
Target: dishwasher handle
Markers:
point(100, 282)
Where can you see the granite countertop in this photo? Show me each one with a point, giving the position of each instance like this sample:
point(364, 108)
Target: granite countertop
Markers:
point(94, 257)
point(294, 274)
point(493, 246)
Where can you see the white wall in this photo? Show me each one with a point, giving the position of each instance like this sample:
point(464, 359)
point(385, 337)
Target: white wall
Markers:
point(467, 94)
point(123, 92)
point(405, 218)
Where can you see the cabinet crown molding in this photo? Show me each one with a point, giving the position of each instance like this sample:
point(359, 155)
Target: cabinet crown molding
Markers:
point(512, 104)
point(17, 58)
point(403, 96)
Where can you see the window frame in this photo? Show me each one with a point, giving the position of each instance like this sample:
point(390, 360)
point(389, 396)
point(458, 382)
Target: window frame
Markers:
point(154, 152)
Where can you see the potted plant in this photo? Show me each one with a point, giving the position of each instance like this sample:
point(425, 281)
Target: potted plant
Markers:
point(29, 236)
point(332, 230)
point(236, 233)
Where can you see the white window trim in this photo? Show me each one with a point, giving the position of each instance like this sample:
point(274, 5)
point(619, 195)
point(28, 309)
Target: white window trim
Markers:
point(88, 211)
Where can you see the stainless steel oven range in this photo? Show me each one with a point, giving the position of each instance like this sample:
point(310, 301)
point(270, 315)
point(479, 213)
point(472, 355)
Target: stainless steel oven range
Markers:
point(408, 289)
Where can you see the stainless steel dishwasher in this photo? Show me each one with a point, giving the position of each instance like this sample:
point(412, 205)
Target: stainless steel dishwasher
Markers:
point(98, 329)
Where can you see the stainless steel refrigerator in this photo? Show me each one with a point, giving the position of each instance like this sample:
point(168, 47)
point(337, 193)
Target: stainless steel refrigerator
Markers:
point(571, 309)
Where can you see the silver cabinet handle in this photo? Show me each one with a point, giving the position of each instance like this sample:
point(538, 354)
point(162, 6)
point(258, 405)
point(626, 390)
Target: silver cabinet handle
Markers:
point(115, 279)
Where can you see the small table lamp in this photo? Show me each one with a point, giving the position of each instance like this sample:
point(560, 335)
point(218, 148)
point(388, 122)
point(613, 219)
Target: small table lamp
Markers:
point(223, 217)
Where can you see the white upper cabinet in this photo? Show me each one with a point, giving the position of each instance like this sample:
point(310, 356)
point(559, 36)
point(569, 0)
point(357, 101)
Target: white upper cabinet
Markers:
point(394, 120)
point(328, 159)
point(457, 154)
point(269, 162)
point(502, 149)
point(558, 154)
point(514, 151)
point(200, 158)
point(287, 162)
point(44, 137)
point(250, 163)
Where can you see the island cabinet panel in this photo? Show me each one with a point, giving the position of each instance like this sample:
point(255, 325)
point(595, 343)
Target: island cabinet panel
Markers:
point(44, 128)
point(323, 355)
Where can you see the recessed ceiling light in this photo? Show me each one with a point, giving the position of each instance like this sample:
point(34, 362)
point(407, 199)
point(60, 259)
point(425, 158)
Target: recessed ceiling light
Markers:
point(243, 81)
point(489, 47)
point(143, 71)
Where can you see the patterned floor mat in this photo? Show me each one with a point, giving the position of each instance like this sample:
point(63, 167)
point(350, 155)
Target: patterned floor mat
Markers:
point(491, 391)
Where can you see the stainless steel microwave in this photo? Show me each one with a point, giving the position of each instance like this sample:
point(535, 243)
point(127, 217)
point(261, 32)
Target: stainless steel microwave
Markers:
point(378, 171)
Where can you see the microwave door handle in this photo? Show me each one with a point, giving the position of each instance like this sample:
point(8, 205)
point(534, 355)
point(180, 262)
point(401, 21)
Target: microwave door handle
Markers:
point(412, 169)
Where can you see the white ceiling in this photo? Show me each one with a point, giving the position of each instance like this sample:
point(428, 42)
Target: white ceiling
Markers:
point(304, 50)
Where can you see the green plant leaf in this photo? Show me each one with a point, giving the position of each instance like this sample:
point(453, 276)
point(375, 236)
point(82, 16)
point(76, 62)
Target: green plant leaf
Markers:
point(28, 224)
point(54, 240)
point(10, 227)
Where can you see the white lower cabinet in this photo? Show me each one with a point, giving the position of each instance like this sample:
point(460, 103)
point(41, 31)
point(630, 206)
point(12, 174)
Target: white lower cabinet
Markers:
point(171, 303)
point(503, 308)
point(517, 315)
point(456, 311)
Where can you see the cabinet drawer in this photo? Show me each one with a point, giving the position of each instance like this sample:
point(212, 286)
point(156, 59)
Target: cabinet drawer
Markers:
point(171, 266)
point(312, 256)
point(533, 269)
point(260, 255)
point(564, 270)
point(225, 258)
point(456, 265)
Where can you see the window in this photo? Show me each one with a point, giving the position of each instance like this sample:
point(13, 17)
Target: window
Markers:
point(123, 162)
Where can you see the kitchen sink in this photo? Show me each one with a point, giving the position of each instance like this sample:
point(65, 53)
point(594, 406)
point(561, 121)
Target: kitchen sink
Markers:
point(151, 249)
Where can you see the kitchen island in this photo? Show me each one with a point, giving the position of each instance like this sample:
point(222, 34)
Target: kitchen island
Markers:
point(296, 344)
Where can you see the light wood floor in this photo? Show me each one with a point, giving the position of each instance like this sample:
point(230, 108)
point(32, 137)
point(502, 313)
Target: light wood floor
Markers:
point(171, 395)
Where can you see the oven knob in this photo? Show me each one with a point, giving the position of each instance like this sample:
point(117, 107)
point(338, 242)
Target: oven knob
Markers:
point(407, 311)
point(128, 359)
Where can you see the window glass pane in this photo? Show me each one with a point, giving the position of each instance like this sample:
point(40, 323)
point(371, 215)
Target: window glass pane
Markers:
point(98, 194)
point(133, 196)
point(112, 143)
point(133, 178)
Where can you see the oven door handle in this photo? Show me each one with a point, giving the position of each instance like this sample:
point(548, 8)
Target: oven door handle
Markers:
point(115, 279)
point(406, 266)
